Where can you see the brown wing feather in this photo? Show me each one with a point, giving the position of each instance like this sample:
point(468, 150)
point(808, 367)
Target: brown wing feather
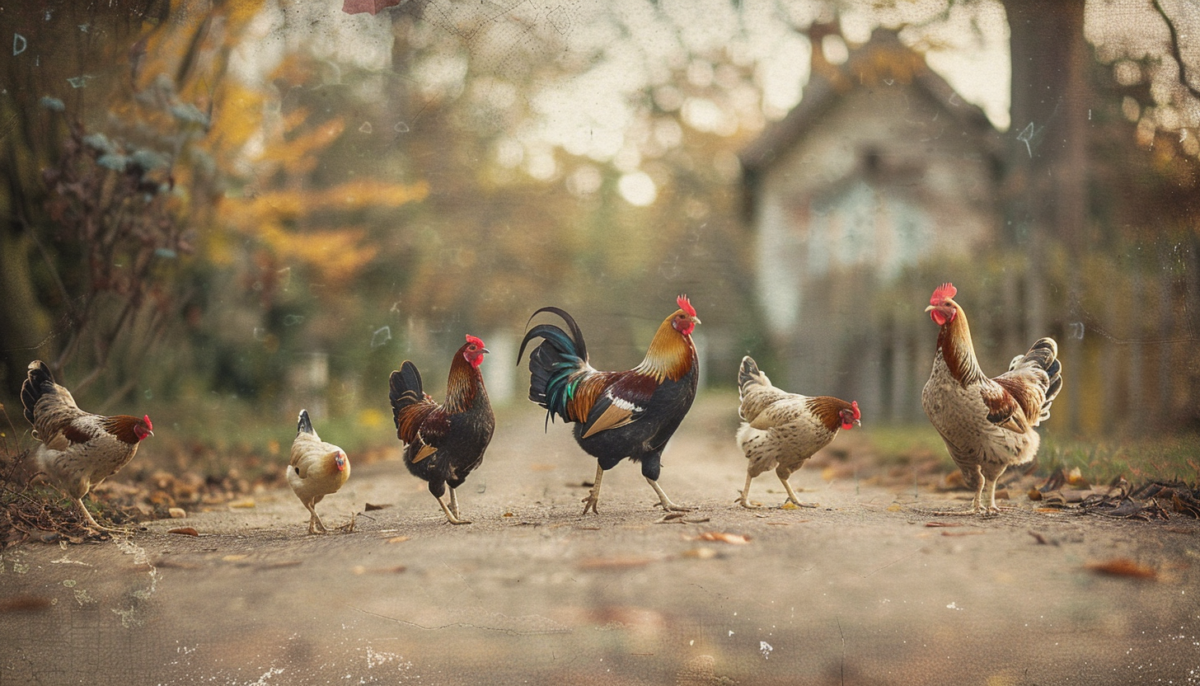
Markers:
point(424, 452)
point(612, 418)
point(586, 393)
point(410, 418)
point(1003, 399)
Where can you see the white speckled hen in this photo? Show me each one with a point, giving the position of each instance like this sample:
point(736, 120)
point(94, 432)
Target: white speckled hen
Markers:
point(79, 449)
point(986, 424)
point(781, 430)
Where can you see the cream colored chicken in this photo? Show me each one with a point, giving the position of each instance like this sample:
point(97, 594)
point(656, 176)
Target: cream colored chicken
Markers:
point(316, 470)
point(781, 430)
point(79, 449)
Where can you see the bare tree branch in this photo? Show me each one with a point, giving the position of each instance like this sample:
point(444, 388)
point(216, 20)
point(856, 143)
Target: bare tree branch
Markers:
point(1175, 51)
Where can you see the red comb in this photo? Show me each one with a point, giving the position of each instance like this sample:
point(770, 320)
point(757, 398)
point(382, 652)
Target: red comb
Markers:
point(149, 424)
point(476, 341)
point(686, 305)
point(942, 292)
point(854, 406)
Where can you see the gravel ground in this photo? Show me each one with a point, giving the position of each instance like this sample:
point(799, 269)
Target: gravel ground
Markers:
point(860, 590)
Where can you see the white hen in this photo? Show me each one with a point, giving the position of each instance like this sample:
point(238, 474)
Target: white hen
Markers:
point(316, 469)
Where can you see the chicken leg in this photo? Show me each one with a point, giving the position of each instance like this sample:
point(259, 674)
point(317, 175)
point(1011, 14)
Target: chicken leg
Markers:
point(663, 500)
point(745, 495)
point(91, 524)
point(593, 496)
point(783, 475)
point(315, 525)
point(450, 516)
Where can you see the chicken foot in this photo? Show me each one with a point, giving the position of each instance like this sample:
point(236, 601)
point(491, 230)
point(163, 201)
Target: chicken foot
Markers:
point(744, 500)
point(315, 525)
point(593, 496)
point(663, 500)
point(791, 494)
point(452, 515)
point(92, 525)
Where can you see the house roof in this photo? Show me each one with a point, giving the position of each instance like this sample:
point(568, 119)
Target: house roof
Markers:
point(882, 59)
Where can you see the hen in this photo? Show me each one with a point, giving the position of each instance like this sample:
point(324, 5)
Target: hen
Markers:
point(986, 424)
point(79, 449)
point(317, 469)
point(781, 430)
point(617, 414)
point(444, 443)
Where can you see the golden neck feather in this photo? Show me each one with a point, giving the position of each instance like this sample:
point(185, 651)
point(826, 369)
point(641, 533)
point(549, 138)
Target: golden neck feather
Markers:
point(671, 354)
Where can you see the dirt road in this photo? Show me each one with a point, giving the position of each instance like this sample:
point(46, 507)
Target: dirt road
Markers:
point(857, 591)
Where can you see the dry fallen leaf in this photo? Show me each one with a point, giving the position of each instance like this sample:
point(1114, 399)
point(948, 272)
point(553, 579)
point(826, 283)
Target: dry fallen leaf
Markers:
point(789, 505)
point(372, 506)
point(1034, 494)
point(185, 530)
point(1042, 540)
point(963, 533)
point(397, 539)
point(1122, 566)
point(724, 537)
point(700, 553)
point(942, 524)
point(177, 512)
point(894, 507)
point(245, 503)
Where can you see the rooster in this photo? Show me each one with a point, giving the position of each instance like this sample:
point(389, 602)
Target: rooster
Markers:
point(617, 414)
point(317, 469)
point(782, 430)
point(986, 424)
point(444, 443)
point(79, 449)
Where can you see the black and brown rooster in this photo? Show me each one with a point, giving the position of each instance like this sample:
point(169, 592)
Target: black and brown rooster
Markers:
point(444, 443)
point(617, 414)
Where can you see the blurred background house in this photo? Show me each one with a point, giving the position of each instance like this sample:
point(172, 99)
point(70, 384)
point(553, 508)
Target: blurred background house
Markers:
point(880, 167)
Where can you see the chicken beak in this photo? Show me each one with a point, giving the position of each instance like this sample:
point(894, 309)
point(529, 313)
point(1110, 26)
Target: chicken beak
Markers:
point(486, 350)
point(857, 422)
point(931, 308)
point(695, 319)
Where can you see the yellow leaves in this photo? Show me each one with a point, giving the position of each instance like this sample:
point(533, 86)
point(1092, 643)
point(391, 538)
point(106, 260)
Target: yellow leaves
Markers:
point(297, 154)
point(336, 253)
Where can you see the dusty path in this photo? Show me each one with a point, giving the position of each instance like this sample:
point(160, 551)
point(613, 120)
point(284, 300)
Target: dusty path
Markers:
point(858, 591)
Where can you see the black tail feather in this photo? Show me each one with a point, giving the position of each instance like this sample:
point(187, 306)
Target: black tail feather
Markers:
point(553, 362)
point(405, 389)
point(35, 386)
point(303, 425)
point(580, 346)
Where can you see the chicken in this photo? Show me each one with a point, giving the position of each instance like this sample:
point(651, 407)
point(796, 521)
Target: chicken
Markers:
point(986, 424)
point(444, 443)
point(79, 449)
point(317, 469)
point(617, 414)
point(781, 430)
